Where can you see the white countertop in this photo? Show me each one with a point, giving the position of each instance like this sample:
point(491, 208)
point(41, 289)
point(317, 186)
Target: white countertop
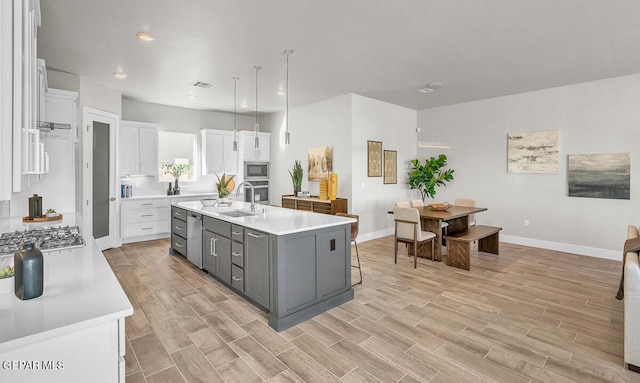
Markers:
point(80, 290)
point(269, 219)
point(180, 196)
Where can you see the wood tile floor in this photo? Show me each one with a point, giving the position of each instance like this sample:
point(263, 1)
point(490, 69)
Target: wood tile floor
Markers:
point(528, 315)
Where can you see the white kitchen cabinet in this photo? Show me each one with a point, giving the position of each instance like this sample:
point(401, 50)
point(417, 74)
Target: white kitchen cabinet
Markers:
point(138, 148)
point(6, 99)
point(217, 152)
point(28, 155)
point(145, 219)
point(247, 144)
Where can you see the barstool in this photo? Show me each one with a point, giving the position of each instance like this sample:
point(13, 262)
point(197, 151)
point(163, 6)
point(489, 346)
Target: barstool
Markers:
point(354, 235)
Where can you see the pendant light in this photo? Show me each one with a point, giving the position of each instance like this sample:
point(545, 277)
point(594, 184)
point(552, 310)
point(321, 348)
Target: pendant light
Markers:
point(235, 128)
point(287, 136)
point(256, 126)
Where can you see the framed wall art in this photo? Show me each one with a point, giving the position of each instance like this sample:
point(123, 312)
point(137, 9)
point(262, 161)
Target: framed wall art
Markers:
point(533, 152)
point(374, 159)
point(320, 162)
point(600, 175)
point(390, 167)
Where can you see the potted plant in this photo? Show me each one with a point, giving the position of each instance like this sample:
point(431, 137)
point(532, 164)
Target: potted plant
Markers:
point(6, 274)
point(296, 177)
point(51, 213)
point(225, 186)
point(426, 177)
point(176, 170)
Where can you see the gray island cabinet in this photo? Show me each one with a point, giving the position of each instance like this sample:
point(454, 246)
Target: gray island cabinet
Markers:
point(291, 264)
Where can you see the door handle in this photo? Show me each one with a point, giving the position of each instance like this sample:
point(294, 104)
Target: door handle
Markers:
point(112, 199)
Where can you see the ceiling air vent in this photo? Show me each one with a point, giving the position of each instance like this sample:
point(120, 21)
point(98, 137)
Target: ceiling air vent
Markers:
point(430, 87)
point(201, 84)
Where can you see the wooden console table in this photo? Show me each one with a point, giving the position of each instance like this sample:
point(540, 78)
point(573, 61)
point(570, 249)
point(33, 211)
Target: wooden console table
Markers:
point(315, 204)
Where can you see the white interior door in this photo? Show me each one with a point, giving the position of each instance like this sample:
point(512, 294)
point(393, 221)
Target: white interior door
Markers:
point(99, 187)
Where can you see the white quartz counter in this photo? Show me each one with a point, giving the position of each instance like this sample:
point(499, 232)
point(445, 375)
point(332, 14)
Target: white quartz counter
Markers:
point(80, 290)
point(269, 219)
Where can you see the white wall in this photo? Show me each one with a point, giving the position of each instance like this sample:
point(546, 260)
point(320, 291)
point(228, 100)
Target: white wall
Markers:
point(395, 127)
point(325, 123)
point(594, 117)
point(347, 122)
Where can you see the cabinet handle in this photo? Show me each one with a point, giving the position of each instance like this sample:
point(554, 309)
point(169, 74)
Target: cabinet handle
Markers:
point(178, 213)
point(236, 233)
point(146, 228)
point(236, 254)
point(250, 234)
point(213, 247)
point(146, 204)
point(236, 279)
point(178, 244)
point(146, 215)
point(178, 228)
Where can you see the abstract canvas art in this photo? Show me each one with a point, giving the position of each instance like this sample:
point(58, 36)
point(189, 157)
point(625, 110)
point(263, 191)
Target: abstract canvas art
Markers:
point(533, 152)
point(374, 159)
point(320, 162)
point(390, 167)
point(600, 175)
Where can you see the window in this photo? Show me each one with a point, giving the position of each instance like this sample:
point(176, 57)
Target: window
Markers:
point(177, 148)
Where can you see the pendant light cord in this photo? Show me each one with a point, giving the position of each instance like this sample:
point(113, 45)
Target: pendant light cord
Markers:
point(287, 136)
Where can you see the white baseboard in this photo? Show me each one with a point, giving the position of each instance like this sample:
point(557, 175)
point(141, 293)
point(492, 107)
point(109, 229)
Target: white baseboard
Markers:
point(549, 245)
point(565, 247)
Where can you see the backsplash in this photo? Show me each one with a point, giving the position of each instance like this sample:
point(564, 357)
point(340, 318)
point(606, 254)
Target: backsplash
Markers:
point(145, 186)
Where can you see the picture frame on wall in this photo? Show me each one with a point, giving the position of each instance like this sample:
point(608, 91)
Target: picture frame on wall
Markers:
point(374, 158)
point(390, 167)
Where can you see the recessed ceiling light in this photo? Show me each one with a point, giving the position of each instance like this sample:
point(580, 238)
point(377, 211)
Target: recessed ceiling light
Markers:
point(191, 96)
point(202, 84)
point(145, 36)
point(119, 75)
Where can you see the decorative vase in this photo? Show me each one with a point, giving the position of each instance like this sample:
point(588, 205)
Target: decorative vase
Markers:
point(333, 186)
point(223, 200)
point(176, 188)
point(324, 189)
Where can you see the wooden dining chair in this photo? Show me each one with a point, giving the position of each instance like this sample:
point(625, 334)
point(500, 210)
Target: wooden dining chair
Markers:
point(408, 230)
point(354, 235)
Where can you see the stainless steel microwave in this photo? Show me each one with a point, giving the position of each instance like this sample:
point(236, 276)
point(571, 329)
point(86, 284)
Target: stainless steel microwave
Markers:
point(256, 170)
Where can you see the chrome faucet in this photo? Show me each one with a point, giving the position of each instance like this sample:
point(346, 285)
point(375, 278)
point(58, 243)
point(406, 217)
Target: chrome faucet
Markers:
point(253, 194)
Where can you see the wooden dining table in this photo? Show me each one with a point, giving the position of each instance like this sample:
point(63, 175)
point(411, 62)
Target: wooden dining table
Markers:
point(457, 217)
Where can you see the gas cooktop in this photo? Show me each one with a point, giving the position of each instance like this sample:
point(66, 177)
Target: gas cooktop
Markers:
point(53, 238)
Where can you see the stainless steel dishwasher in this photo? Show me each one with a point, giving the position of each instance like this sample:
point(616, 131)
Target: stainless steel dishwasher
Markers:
point(194, 238)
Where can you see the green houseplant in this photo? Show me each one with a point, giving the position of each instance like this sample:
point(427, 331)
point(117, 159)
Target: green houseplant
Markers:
point(223, 186)
point(296, 177)
point(176, 170)
point(426, 177)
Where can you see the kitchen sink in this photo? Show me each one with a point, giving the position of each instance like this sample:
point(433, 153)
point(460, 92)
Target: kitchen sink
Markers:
point(236, 213)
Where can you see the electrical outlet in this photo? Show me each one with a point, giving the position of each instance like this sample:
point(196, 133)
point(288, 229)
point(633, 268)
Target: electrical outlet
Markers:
point(526, 222)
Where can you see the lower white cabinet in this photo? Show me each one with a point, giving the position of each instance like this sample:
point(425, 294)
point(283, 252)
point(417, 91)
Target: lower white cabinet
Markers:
point(83, 354)
point(145, 219)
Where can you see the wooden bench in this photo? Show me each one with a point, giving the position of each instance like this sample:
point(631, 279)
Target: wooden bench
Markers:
point(459, 244)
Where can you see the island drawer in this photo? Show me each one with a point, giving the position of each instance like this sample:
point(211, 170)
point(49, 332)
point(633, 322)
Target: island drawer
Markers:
point(237, 254)
point(178, 213)
point(237, 233)
point(217, 226)
point(179, 244)
point(179, 227)
point(237, 278)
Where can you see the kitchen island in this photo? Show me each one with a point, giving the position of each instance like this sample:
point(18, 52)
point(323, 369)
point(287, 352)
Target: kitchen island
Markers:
point(74, 332)
point(291, 264)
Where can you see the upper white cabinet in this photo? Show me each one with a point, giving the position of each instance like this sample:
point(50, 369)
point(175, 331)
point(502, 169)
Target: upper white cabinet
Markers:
point(217, 152)
point(247, 143)
point(138, 148)
point(6, 99)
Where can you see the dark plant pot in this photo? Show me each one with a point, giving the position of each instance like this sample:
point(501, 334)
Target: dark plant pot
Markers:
point(176, 188)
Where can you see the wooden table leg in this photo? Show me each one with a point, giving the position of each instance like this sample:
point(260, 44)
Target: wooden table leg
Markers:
point(490, 244)
point(434, 226)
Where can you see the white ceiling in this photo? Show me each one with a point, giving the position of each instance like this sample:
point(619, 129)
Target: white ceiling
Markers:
point(382, 49)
